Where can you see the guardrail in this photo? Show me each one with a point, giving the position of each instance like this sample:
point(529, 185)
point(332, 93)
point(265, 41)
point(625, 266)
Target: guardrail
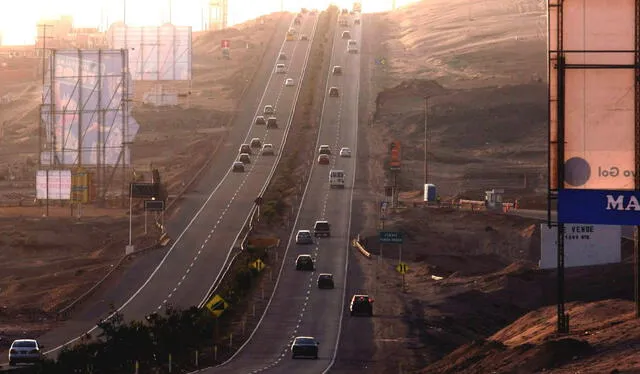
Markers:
point(360, 248)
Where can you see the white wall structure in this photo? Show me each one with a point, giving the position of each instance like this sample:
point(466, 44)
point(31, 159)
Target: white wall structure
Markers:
point(155, 53)
point(584, 245)
point(59, 182)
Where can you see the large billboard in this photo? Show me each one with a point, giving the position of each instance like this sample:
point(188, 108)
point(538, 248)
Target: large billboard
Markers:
point(85, 112)
point(598, 44)
point(584, 245)
point(155, 53)
point(592, 98)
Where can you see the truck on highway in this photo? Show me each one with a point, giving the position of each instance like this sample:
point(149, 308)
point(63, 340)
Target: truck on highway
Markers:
point(336, 178)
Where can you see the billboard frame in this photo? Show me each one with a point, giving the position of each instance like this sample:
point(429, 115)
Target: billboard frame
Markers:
point(49, 156)
point(557, 67)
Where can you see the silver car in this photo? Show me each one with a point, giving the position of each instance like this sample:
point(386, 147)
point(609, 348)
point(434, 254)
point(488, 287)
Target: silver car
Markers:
point(304, 237)
point(25, 351)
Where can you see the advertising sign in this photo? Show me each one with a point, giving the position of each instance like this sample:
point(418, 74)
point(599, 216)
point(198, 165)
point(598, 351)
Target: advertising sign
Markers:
point(59, 182)
point(604, 207)
point(598, 84)
point(155, 53)
point(84, 110)
point(584, 245)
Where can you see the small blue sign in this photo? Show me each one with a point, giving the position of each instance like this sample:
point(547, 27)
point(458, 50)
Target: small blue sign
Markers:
point(599, 207)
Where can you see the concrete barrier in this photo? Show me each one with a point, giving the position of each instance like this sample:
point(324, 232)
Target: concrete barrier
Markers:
point(360, 248)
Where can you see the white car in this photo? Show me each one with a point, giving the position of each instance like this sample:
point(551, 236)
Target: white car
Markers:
point(324, 150)
point(267, 150)
point(25, 351)
point(345, 152)
point(289, 82)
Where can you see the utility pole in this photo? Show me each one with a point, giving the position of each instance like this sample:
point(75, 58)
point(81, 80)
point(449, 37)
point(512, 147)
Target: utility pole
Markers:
point(124, 14)
point(426, 140)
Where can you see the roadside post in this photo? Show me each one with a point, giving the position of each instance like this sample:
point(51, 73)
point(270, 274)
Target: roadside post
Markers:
point(395, 237)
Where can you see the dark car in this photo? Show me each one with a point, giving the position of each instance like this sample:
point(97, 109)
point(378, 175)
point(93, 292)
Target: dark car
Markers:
point(304, 37)
point(356, 22)
point(260, 120)
point(333, 92)
point(346, 35)
point(305, 262)
point(272, 123)
point(238, 167)
point(337, 70)
point(245, 148)
point(244, 158)
point(325, 280)
point(322, 228)
point(296, 21)
point(361, 305)
point(324, 160)
point(304, 346)
point(256, 143)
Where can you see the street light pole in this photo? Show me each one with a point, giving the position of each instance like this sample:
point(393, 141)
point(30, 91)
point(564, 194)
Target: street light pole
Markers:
point(129, 248)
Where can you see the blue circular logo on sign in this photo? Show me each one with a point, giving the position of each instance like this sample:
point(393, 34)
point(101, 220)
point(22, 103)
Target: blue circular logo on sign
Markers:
point(577, 171)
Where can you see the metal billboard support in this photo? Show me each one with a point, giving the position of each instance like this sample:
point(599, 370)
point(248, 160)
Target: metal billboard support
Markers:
point(636, 236)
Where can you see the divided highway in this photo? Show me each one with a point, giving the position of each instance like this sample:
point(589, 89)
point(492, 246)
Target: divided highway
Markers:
point(298, 307)
point(202, 244)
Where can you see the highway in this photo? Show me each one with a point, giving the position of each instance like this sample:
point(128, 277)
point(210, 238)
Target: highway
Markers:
point(208, 226)
point(297, 306)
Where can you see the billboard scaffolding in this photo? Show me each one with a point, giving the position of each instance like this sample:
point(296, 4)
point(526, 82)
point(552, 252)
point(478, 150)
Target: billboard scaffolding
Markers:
point(593, 105)
point(85, 116)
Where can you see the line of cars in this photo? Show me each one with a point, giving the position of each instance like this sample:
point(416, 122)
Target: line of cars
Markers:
point(359, 304)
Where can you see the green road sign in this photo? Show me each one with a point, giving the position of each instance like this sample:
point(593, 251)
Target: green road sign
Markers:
point(391, 237)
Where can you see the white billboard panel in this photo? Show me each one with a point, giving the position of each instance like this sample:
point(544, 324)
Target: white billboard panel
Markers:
point(599, 96)
point(155, 53)
point(59, 182)
point(584, 245)
point(85, 111)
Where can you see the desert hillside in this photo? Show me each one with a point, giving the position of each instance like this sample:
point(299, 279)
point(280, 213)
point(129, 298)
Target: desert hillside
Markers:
point(483, 66)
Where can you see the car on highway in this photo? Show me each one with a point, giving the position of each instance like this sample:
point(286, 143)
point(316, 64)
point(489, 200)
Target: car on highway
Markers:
point(346, 35)
point(322, 228)
point(272, 123)
point(304, 237)
point(314, 12)
point(289, 82)
point(345, 152)
point(281, 69)
point(333, 92)
point(245, 148)
point(305, 262)
point(324, 149)
point(297, 21)
point(256, 143)
point(282, 56)
point(352, 46)
point(269, 109)
point(324, 160)
point(267, 150)
point(244, 158)
point(304, 346)
point(325, 280)
point(304, 37)
point(260, 120)
point(337, 70)
point(361, 304)
point(238, 167)
point(356, 21)
point(345, 11)
point(344, 23)
point(25, 351)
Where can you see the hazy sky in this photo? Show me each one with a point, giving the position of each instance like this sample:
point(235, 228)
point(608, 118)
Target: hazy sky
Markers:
point(19, 17)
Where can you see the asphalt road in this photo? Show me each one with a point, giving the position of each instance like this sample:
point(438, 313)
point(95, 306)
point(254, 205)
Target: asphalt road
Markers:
point(207, 225)
point(298, 307)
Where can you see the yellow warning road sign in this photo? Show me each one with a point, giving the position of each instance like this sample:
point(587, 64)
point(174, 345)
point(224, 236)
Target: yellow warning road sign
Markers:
point(402, 268)
point(257, 264)
point(217, 305)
